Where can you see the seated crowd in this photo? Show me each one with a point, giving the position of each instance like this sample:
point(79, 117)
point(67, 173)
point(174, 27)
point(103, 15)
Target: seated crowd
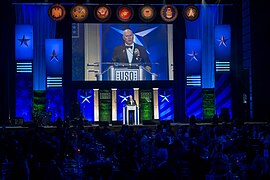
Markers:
point(186, 152)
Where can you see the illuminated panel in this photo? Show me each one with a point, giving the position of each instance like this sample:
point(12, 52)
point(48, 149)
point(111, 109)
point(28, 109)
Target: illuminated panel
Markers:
point(54, 82)
point(222, 66)
point(54, 56)
point(24, 67)
point(23, 42)
point(166, 105)
point(122, 97)
point(223, 47)
point(86, 99)
point(24, 96)
point(194, 80)
point(193, 62)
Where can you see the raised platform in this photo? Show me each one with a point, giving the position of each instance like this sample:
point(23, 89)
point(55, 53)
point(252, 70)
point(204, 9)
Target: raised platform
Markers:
point(116, 127)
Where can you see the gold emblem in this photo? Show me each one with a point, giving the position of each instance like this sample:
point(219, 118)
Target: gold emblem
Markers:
point(169, 13)
point(102, 13)
point(147, 13)
point(125, 13)
point(57, 12)
point(191, 13)
point(79, 12)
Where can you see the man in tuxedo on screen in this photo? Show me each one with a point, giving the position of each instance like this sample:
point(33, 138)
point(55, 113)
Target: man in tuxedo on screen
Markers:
point(129, 52)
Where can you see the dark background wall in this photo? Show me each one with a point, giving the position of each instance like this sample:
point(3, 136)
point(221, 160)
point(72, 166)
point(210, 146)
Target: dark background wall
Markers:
point(260, 50)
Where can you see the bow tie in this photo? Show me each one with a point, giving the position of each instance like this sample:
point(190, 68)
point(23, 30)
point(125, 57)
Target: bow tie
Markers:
point(129, 47)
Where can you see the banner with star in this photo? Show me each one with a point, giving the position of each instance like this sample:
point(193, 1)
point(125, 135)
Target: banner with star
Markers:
point(166, 105)
point(86, 99)
point(122, 98)
point(54, 56)
point(223, 42)
point(23, 42)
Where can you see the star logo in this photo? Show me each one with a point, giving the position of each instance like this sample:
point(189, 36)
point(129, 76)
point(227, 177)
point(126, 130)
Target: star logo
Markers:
point(85, 98)
point(141, 34)
point(193, 55)
point(124, 98)
point(24, 41)
point(165, 97)
point(222, 41)
point(54, 56)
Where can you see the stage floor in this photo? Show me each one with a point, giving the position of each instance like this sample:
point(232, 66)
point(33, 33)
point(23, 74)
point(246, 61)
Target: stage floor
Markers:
point(118, 127)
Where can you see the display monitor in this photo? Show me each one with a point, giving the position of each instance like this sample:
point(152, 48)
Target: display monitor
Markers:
point(99, 54)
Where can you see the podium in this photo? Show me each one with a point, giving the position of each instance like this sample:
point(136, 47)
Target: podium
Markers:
point(128, 110)
point(126, 72)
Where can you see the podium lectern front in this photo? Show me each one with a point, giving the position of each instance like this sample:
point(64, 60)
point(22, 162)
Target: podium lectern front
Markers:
point(127, 110)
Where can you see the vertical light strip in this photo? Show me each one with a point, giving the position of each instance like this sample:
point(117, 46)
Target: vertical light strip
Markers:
point(155, 99)
point(170, 49)
point(92, 50)
point(114, 104)
point(96, 105)
point(136, 95)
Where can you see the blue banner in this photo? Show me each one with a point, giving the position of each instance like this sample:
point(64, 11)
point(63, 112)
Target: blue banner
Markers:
point(194, 102)
point(24, 96)
point(223, 42)
point(24, 42)
point(55, 103)
point(122, 98)
point(86, 99)
point(166, 104)
point(193, 57)
point(54, 56)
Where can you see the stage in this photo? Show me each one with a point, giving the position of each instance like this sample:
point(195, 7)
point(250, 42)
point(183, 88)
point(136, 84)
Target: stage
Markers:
point(118, 127)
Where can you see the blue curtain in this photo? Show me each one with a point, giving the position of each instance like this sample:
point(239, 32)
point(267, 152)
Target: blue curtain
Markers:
point(204, 28)
point(43, 28)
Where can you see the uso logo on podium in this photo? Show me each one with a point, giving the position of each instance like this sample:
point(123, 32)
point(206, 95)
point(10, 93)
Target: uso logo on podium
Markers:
point(126, 75)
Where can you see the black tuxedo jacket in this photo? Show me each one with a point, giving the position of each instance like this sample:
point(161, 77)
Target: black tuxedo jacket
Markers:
point(131, 103)
point(139, 55)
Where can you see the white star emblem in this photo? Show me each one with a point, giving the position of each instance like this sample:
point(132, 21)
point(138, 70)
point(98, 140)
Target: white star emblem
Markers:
point(193, 55)
point(141, 34)
point(85, 99)
point(222, 41)
point(165, 98)
point(124, 98)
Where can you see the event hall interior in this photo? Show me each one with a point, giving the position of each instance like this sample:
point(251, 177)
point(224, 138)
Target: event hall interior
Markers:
point(195, 71)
